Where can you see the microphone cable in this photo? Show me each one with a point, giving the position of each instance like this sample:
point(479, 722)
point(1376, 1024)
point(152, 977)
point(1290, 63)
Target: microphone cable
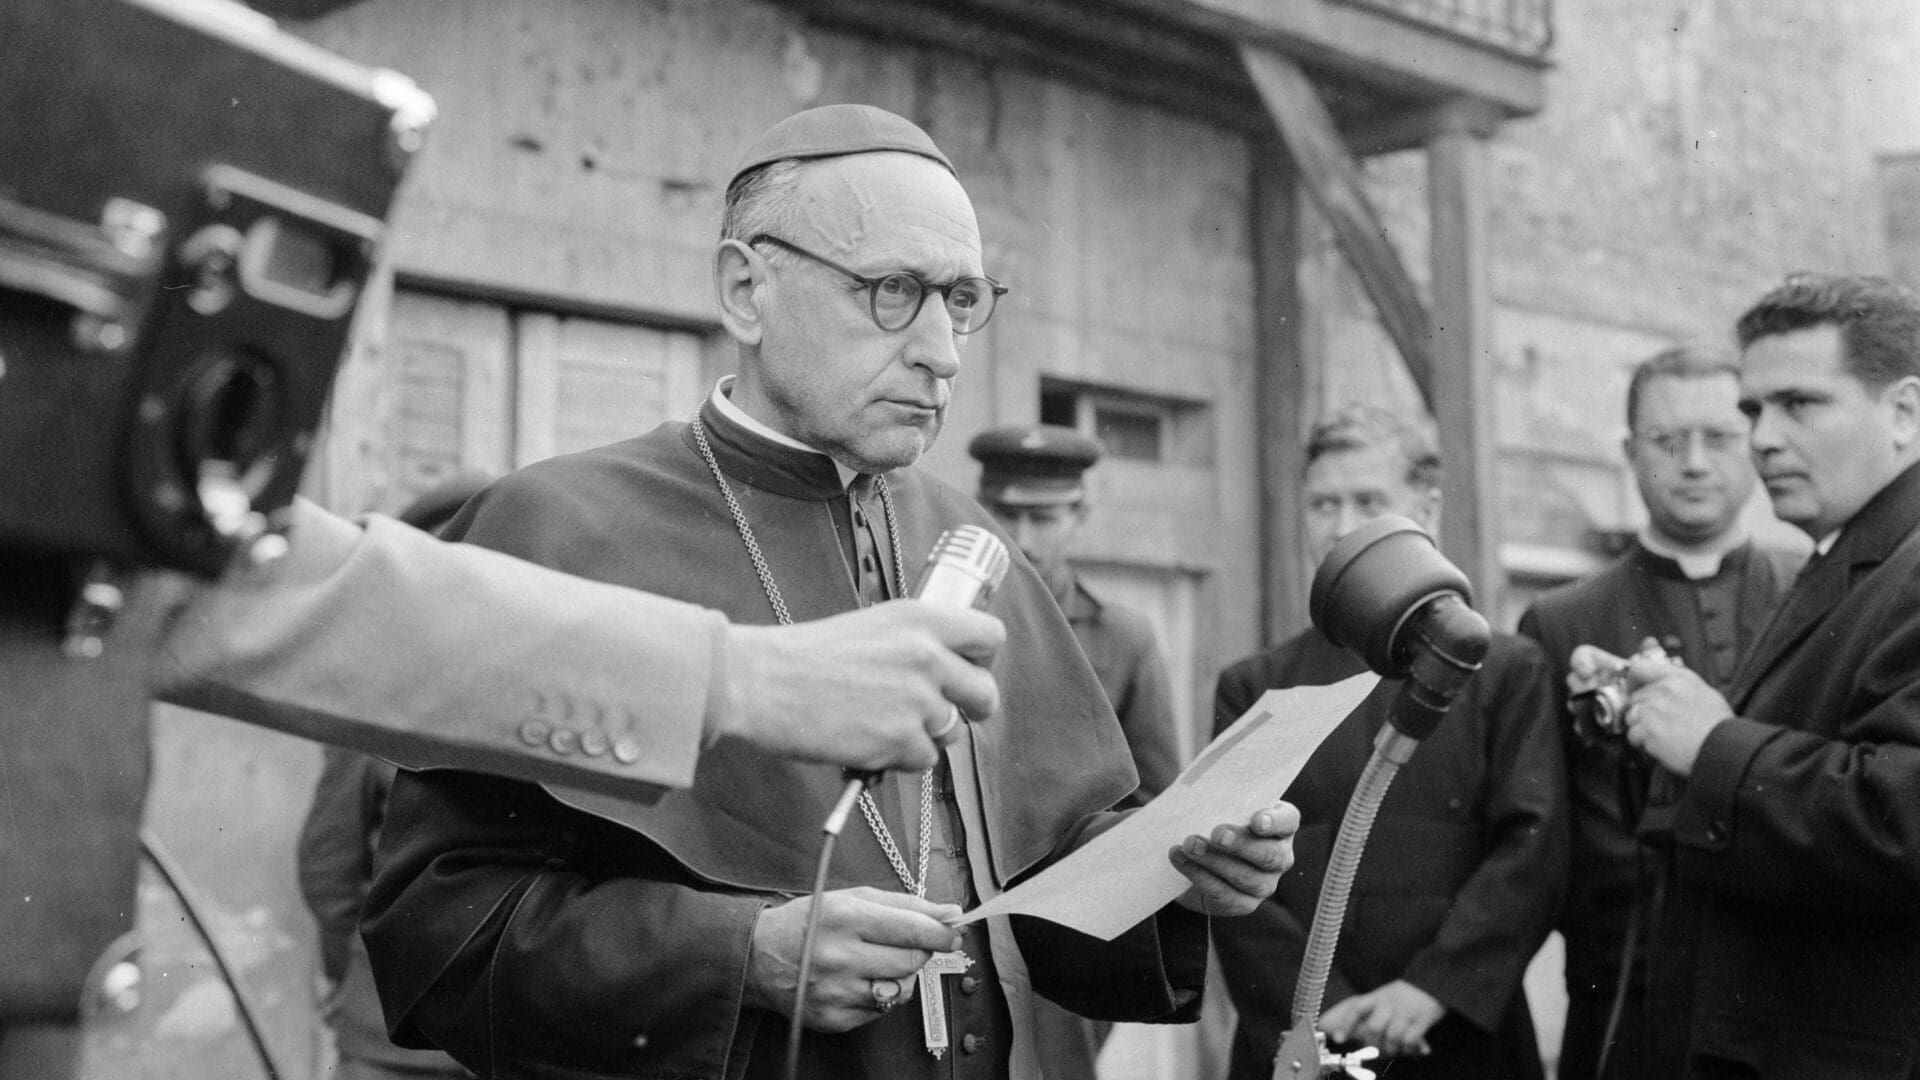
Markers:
point(194, 908)
point(836, 820)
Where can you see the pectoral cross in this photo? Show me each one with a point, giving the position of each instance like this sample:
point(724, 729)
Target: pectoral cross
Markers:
point(933, 997)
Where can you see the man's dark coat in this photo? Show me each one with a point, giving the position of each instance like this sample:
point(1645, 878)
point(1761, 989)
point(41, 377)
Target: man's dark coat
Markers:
point(1637, 596)
point(532, 938)
point(1799, 830)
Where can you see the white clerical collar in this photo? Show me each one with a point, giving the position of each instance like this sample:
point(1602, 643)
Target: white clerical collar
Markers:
point(739, 416)
point(1696, 564)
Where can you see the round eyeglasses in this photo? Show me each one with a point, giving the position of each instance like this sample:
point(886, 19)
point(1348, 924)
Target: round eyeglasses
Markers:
point(895, 299)
point(1678, 443)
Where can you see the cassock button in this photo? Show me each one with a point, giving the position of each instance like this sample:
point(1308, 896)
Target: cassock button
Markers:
point(1717, 832)
point(971, 1044)
point(626, 751)
point(969, 984)
point(533, 733)
point(859, 518)
point(595, 743)
point(563, 740)
point(866, 563)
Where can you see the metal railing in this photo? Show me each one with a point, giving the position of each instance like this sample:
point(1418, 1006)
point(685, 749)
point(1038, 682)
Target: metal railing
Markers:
point(1520, 27)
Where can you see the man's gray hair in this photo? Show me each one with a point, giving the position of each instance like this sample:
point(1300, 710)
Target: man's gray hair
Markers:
point(763, 200)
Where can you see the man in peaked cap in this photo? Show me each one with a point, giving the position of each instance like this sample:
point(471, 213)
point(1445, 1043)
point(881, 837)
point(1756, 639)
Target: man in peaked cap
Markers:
point(542, 932)
point(1033, 480)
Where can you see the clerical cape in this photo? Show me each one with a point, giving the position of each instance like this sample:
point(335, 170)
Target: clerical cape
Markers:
point(603, 938)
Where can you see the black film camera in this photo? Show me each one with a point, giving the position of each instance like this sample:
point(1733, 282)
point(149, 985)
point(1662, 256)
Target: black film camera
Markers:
point(190, 204)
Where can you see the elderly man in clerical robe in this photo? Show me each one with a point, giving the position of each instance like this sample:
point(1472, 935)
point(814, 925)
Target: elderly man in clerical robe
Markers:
point(542, 933)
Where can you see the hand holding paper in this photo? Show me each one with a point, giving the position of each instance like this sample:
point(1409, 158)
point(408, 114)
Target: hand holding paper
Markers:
point(1124, 875)
point(1237, 866)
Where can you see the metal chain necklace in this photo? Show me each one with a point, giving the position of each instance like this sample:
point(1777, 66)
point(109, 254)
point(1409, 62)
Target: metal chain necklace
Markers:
point(868, 809)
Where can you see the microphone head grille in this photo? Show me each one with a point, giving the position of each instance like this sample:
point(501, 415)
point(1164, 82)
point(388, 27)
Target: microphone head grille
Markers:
point(972, 550)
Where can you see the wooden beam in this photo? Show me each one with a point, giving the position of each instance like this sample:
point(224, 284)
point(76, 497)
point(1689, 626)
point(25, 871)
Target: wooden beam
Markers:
point(1184, 73)
point(1463, 348)
point(1281, 401)
point(1387, 52)
point(1411, 128)
point(1333, 179)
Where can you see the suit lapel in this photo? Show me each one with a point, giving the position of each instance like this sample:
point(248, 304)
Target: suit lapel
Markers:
point(1815, 592)
point(1864, 543)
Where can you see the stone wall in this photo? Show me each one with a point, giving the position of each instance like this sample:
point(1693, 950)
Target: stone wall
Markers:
point(1691, 153)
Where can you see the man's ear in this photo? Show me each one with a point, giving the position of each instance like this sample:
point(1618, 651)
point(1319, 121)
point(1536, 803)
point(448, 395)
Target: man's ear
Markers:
point(1903, 399)
point(740, 284)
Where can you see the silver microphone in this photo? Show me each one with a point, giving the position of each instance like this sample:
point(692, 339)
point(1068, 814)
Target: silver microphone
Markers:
point(966, 564)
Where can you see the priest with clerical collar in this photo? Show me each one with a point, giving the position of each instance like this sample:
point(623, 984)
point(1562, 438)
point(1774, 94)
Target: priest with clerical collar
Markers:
point(549, 933)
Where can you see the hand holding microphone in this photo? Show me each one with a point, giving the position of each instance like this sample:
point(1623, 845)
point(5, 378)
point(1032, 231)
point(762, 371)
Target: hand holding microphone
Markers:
point(874, 688)
point(966, 564)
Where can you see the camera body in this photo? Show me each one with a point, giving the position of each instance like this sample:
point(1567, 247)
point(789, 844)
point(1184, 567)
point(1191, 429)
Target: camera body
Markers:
point(1600, 707)
point(190, 205)
point(1600, 711)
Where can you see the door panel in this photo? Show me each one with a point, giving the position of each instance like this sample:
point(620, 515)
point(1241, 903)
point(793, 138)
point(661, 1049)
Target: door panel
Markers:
point(588, 382)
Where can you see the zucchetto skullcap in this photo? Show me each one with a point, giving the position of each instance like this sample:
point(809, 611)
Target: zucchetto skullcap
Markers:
point(834, 130)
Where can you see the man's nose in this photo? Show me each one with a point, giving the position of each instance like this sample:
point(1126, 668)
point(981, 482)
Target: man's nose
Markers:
point(1023, 529)
point(1693, 457)
point(1350, 519)
point(932, 344)
point(1764, 437)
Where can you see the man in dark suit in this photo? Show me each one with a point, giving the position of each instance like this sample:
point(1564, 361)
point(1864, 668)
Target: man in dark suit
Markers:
point(1465, 864)
point(1694, 581)
point(1795, 833)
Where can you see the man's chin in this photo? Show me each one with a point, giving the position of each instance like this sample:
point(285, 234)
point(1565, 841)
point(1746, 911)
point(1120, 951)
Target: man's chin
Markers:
point(885, 453)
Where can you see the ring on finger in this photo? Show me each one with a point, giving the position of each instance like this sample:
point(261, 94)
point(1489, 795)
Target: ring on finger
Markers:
point(953, 721)
point(885, 993)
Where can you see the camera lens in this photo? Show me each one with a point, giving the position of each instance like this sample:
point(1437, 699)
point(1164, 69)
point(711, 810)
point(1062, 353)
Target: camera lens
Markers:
point(229, 410)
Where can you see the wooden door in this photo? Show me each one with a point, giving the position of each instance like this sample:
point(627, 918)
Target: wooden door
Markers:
point(464, 385)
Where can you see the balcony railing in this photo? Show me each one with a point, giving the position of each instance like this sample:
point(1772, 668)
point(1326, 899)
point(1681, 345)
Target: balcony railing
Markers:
point(1520, 27)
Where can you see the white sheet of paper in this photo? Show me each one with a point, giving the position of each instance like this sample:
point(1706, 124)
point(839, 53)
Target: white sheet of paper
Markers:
point(1122, 876)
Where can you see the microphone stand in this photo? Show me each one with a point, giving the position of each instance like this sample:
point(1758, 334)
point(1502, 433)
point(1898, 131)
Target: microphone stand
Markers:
point(1445, 640)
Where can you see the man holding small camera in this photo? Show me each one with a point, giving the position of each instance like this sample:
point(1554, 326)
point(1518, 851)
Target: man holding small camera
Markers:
point(1794, 833)
point(1694, 583)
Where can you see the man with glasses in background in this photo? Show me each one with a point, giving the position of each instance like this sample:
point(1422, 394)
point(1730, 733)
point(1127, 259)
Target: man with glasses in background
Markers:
point(536, 932)
point(1694, 582)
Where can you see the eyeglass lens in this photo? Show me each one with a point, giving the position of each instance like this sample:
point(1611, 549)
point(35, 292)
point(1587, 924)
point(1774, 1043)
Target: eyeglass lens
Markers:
point(897, 299)
point(1676, 443)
